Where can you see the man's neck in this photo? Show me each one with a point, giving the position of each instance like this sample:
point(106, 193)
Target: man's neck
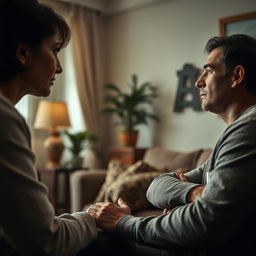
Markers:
point(236, 109)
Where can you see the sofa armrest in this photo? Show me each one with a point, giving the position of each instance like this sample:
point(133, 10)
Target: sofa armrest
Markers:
point(84, 187)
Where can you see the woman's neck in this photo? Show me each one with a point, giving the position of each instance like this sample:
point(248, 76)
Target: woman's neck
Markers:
point(11, 90)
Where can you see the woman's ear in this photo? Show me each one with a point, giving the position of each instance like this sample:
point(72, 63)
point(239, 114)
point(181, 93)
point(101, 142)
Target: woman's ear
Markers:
point(238, 76)
point(23, 55)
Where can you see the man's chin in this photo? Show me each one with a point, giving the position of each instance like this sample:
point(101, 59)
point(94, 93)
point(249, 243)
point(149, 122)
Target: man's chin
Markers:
point(204, 107)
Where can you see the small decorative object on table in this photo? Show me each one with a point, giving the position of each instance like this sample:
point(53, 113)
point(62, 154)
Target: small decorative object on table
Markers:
point(79, 141)
point(128, 107)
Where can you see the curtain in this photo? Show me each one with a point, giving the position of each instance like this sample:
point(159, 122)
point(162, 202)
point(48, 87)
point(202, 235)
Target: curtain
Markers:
point(86, 26)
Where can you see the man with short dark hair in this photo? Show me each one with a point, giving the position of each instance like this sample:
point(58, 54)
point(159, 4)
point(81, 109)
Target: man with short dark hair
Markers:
point(210, 210)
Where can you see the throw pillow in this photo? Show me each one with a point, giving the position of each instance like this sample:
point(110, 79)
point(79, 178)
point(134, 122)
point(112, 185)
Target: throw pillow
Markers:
point(132, 188)
point(132, 185)
point(115, 168)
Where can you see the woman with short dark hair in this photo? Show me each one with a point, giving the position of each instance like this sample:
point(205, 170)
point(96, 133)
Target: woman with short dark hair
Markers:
point(32, 34)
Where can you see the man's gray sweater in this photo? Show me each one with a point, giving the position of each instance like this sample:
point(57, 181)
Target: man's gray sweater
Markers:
point(223, 220)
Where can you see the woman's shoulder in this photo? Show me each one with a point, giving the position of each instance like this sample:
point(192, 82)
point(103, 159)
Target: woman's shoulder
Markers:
point(9, 114)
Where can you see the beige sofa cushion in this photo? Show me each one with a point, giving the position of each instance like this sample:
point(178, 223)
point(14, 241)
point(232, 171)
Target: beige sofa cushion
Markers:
point(163, 158)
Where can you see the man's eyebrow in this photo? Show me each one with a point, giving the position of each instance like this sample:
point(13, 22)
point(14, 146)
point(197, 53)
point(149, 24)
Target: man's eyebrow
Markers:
point(208, 66)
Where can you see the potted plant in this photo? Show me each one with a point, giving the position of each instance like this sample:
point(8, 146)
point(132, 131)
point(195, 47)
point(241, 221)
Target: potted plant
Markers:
point(78, 142)
point(128, 107)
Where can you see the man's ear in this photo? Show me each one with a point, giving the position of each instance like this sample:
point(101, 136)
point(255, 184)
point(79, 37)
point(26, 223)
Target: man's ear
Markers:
point(23, 55)
point(238, 76)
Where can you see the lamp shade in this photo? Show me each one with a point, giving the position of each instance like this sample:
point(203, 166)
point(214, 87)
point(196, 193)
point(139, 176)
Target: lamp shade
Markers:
point(52, 115)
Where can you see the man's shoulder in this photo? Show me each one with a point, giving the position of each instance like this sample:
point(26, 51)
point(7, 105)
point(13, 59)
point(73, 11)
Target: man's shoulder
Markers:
point(248, 115)
point(241, 130)
point(240, 134)
point(246, 121)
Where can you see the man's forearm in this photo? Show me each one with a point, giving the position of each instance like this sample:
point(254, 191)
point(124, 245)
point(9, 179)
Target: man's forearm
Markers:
point(167, 191)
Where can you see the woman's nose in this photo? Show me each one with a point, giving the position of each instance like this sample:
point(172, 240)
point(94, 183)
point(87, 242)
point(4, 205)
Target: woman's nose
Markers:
point(59, 68)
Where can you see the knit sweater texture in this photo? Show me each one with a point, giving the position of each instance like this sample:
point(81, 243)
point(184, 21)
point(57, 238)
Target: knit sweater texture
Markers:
point(220, 222)
point(28, 225)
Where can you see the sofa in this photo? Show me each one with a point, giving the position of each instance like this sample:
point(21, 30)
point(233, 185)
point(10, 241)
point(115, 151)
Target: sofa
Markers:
point(85, 185)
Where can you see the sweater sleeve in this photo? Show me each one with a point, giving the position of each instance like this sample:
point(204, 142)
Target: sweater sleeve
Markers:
point(27, 218)
point(221, 207)
point(167, 190)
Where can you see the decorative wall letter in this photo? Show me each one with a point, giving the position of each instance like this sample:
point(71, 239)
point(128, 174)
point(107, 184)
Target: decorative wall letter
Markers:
point(187, 94)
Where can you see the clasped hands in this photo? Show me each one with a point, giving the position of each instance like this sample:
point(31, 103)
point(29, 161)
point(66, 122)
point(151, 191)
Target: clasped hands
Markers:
point(107, 215)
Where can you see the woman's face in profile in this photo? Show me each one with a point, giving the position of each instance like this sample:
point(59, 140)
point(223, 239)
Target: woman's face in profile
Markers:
point(44, 65)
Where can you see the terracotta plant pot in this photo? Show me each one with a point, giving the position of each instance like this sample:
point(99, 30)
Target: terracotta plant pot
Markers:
point(128, 138)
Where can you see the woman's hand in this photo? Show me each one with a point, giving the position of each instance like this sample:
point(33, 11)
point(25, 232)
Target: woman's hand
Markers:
point(107, 215)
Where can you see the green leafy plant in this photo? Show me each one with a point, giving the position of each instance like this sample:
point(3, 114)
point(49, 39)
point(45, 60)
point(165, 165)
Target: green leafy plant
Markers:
point(128, 107)
point(79, 141)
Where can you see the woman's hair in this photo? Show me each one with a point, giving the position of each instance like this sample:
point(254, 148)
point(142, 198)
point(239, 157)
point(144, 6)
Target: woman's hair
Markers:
point(29, 22)
point(238, 49)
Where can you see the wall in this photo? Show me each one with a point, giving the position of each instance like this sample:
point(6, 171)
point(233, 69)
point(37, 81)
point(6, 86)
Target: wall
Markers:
point(155, 42)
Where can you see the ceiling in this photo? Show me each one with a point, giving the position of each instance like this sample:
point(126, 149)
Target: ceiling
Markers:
point(114, 6)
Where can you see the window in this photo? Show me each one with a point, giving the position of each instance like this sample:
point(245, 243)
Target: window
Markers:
point(23, 107)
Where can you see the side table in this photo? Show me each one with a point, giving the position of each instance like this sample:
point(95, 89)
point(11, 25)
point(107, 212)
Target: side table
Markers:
point(55, 173)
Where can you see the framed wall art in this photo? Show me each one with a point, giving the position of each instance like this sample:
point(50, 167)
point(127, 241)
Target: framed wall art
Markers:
point(240, 24)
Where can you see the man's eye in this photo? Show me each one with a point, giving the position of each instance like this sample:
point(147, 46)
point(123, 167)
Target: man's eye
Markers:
point(208, 70)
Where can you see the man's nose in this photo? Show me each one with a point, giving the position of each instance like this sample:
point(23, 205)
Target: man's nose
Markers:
point(199, 83)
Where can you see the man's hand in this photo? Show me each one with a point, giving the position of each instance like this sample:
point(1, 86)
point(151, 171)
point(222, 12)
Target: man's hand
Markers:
point(182, 177)
point(167, 210)
point(194, 193)
point(107, 215)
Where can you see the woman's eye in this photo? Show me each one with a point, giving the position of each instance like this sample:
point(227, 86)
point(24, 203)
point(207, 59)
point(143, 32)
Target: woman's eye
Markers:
point(56, 50)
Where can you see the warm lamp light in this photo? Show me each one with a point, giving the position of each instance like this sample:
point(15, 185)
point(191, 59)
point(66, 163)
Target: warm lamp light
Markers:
point(52, 116)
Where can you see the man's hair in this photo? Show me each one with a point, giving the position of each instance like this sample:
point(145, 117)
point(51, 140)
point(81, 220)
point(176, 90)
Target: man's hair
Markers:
point(29, 22)
point(238, 49)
